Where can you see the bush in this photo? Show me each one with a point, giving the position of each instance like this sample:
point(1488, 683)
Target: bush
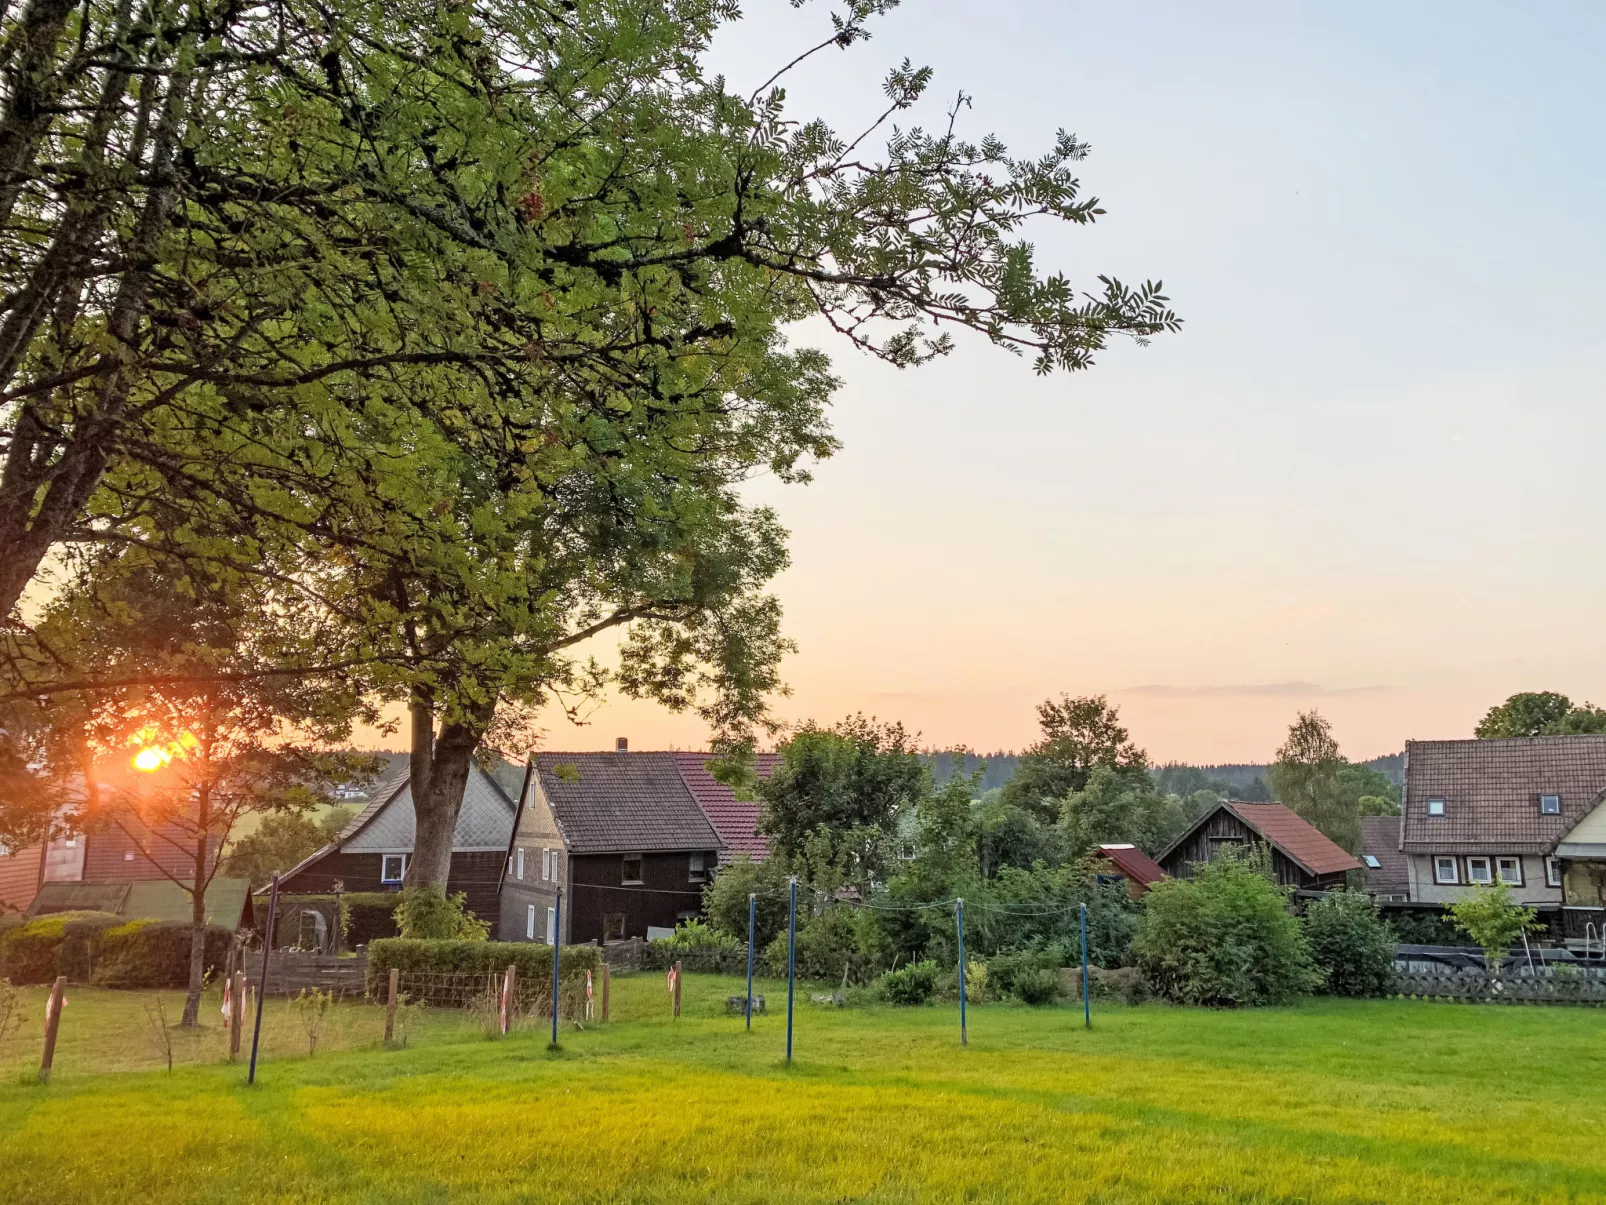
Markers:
point(147, 953)
point(1492, 920)
point(725, 899)
point(1036, 986)
point(1003, 970)
point(1350, 944)
point(366, 916)
point(698, 947)
point(429, 914)
point(1223, 937)
point(910, 985)
point(841, 942)
point(462, 959)
point(1423, 926)
point(63, 943)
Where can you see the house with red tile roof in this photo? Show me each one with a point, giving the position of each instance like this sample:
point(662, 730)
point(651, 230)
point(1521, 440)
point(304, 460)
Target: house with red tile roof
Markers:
point(1301, 857)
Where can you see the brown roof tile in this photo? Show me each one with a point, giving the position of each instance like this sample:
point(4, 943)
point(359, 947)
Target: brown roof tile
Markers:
point(624, 803)
point(735, 820)
point(1295, 836)
point(1380, 839)
point(1491, 792)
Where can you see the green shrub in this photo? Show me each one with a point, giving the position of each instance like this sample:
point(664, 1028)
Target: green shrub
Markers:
point(63, 943)
point(429, 914)
point(1036, 986)
point(725, 899)
point(1223, 937)
point(1004, 969)
point(147, 954)
point(1423, 926)
point(1350, 944)
point(366, 916)
point(453, 963)
point(1492, 920)
point(698, 947)
point(839, 942)
point(910, 985)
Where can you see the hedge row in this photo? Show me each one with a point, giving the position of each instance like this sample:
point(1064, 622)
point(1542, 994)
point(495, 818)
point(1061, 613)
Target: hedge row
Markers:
point(106, 951)
point(365, 916)
point(467, 958)
point(716, 960)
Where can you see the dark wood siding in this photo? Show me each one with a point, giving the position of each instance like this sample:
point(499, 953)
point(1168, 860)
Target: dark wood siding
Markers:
point(476, 875)
point(666, 894)
point(1221, 829)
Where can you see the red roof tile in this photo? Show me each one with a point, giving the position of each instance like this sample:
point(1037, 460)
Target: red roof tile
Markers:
point(735, 820)
point(1295, 836)
point(1133, 863)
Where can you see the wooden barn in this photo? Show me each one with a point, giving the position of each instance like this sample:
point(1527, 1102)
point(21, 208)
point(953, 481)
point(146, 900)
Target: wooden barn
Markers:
point(1301, 856)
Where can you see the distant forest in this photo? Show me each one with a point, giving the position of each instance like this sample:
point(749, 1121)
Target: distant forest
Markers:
point(1243, 780)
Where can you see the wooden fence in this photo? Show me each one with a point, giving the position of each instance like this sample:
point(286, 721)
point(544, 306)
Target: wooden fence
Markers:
point(290, 972)
point(1539, 985)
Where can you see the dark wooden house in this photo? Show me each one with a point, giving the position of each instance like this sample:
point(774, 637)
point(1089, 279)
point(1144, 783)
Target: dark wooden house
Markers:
point(622, 836)
point(1301, 857)
point(372, 851)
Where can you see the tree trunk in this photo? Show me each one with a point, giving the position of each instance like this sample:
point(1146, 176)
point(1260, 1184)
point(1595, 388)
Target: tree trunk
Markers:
point(198, 883)
point(436, 806)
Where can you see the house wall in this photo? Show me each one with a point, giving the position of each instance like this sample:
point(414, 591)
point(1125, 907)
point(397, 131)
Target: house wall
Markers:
point(537, 834)
point(667, 893)
point(477, 875)
point(1533, 891)
point(1223, 828)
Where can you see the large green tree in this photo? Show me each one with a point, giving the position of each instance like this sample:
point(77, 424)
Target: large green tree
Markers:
point(1307, 778)
point(469, 321)
point(1540, 713)
point(1078, 735)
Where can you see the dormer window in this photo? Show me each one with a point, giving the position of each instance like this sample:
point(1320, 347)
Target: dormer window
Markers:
point(1550, 805)
point(1436, 806)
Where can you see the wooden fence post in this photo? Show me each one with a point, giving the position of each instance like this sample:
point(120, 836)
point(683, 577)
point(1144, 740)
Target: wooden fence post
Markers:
point(605, 975)
point(390, 1006)
point(509, 984)
point(678, 966)
point(236, 1013)
point(52, 1024)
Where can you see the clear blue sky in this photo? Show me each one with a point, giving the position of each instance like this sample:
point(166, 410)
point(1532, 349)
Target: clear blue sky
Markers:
point(1366, 475)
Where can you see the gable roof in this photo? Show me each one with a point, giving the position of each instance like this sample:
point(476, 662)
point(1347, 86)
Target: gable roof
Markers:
point(228, 901)
point(1295, 836)
point(1380, 839)
point(735, 820)
point(624, 803)
point(1491, 792)
point(1133, 863)
point(389, 824)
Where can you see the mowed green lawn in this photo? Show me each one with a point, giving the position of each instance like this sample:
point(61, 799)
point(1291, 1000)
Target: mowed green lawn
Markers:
point(1330, 1101)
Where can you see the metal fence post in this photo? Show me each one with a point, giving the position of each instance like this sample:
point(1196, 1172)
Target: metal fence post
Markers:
point(791, 965)
point(1087, 1010)
point(959, 920)
point(752, 907)
point(557, 945)
point(262, 987)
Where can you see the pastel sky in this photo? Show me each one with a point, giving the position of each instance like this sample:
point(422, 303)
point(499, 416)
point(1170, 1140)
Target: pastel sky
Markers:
point(1366, 476)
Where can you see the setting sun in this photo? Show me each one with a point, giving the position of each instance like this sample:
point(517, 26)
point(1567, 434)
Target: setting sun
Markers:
point(152, 758)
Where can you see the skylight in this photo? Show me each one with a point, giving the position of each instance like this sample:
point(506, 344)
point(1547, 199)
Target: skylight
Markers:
point(1371, 861)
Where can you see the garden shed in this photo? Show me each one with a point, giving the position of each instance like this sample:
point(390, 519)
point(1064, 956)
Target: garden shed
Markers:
point(1301, 857)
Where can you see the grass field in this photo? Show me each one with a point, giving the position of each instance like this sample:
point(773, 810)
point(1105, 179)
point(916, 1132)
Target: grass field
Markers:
point(1331, 1101)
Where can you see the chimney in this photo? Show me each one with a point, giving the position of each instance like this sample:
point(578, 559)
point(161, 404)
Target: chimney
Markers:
point(621, 745)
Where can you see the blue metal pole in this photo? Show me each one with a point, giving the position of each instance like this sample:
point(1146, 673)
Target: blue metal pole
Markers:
point(267, 948)
point(752, 908)
point(791, 966)
point(557, 944)
point(1087, 1011)
point(959, 917)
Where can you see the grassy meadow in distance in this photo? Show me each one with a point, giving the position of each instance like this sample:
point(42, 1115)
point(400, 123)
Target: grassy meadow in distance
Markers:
point(1352, 1101)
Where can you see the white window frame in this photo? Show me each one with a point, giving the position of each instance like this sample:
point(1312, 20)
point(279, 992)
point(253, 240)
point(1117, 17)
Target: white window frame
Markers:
point(1500, 874)
point(384, 868)
point(519, 863)
point(1439, 863)
point(1488, 870)
point(551, 926)
point(1552, 872)
point(1546, 811)
point(1437, 805)
point(529, 923)
point(697, 868)
point(546, 865)
point(641, 868)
